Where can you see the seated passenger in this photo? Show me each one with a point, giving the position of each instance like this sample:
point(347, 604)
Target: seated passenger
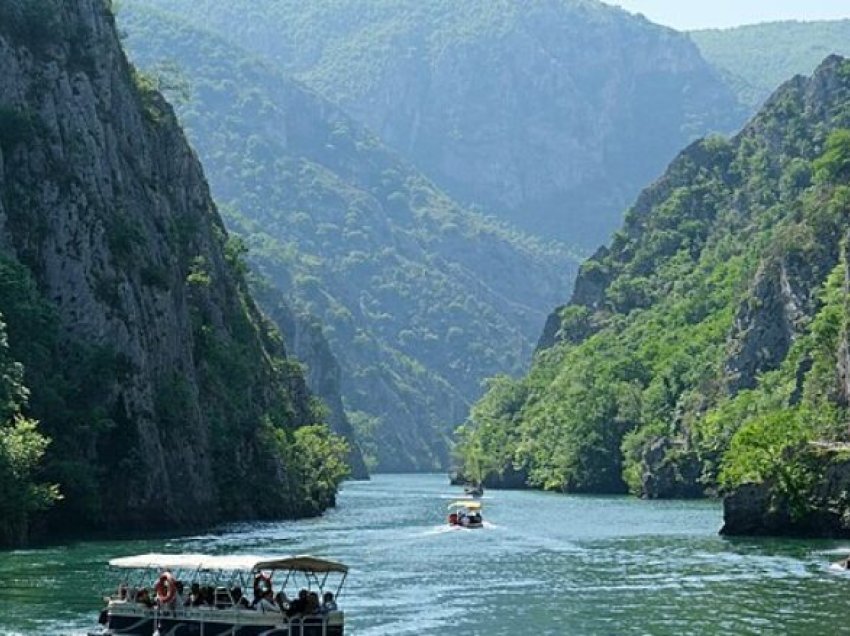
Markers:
point(208, 595)
point(313, 605)
point(178, 599)
point(328, 603)
point(239, 601)
point(195, 597)
point(143, 597)
point(282, 601)
point(299, 605)
point(267, 603)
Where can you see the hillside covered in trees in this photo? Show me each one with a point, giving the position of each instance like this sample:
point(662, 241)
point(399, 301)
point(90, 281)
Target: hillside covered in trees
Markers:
point(418, 297)
point(755, 59)
point(550, 114)
point(140, 386)
point(706, 346)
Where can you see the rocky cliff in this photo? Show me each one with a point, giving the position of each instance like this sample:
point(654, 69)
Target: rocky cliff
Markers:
point(323, 374)
point(419, 297)
point(763, 508)
point(167, 394)
point(552, 114)
point(707, 341)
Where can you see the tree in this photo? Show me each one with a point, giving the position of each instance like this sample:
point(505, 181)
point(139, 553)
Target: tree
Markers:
point(22, 448)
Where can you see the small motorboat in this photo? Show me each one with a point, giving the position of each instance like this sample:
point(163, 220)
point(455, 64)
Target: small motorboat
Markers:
point(465, 514)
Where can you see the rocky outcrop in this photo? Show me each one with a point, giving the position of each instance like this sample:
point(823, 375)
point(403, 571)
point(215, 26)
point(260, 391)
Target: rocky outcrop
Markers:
point(823, 511)
point(303, 334)
point(670, 471)
point(104, 202)
point(774, 312)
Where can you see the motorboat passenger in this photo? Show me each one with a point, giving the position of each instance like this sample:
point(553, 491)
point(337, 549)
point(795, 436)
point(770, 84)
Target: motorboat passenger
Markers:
point(299, 605)
point(328, 603)
point(267, 604)
point(239, 601)
point(143, 597)
point(195, 597)
point(313, 605)
point(282, 601)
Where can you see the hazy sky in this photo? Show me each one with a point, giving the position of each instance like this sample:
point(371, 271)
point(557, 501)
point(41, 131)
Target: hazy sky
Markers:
point(699, 14)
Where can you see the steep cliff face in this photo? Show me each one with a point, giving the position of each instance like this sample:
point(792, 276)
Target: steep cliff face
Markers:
point(552, 114)
point(708, 340)
point(419, 297)
point(323, 374)
point(106, 208)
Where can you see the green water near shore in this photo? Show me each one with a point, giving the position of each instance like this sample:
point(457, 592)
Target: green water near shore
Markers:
point(545, 564)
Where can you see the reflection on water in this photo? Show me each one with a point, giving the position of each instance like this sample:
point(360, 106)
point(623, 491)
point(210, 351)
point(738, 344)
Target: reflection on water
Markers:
point(544, 564)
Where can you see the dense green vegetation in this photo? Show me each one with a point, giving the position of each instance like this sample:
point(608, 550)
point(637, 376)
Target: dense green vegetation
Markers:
point(419, 297)
point(551, 115)
point(22, 448)
point(162, 395)
point(755, 59)
point(708, 341)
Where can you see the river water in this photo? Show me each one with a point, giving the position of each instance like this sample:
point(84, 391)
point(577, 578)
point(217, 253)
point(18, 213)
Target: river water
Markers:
point(545, 564)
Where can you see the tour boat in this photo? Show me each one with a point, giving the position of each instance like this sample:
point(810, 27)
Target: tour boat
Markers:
point(465, 514)
point(197, 594)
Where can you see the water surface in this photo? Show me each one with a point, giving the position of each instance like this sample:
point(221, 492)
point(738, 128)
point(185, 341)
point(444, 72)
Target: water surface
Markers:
point(546, 564)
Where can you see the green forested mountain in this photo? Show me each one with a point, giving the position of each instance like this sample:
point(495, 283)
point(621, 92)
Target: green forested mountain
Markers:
point(552, 114)
point(163, 397)
point(756, 58)
point(708, 341)
point(419, 298)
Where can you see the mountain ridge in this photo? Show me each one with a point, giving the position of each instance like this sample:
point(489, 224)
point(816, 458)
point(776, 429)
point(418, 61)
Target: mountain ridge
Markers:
point(701, 344)
point(416, 294)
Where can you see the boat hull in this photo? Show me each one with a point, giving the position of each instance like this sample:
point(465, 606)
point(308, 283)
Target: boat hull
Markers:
point(190, 624)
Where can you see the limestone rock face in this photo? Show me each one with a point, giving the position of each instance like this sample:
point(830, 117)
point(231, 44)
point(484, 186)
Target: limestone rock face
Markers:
point(419, 297)
point(553, 113)
point(323, 374)
point(103, 200)
point(767, 322)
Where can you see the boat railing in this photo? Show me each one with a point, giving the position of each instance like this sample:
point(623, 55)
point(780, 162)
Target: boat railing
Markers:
point(310, 625)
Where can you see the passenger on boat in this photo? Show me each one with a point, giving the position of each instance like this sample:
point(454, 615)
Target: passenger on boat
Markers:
point(328, 603)
point(143, 597)
point(313, 605)
point(208, 595)
point(239, 601)
point(282, 601)
point(195, 598)
point(267, 603)
point(122, 592)
point(299, 605)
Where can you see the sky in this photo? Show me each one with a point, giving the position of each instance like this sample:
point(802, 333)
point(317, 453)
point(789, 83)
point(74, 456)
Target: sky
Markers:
point(703, 14)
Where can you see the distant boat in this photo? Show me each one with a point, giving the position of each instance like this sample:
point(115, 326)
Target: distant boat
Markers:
point(202, 594)
point(465, 513)
point(474, 490)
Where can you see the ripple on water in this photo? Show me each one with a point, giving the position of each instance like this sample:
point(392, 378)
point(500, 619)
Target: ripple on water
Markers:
point(546, 564)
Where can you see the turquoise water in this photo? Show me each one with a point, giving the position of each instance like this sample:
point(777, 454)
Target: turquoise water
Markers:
point(546, 564)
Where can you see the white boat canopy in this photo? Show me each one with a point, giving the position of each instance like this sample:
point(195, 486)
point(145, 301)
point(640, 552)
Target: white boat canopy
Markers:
point(244, 562)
